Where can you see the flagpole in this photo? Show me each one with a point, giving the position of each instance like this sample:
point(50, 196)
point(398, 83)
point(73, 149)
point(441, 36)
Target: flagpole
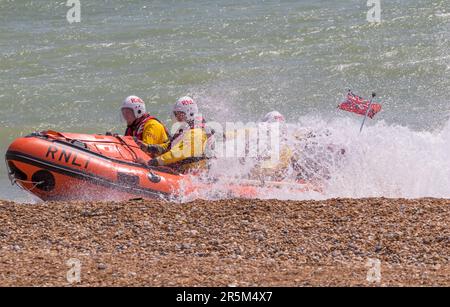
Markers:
point(367, 112)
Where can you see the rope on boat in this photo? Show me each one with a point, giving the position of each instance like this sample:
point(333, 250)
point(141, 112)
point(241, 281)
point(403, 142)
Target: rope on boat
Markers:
point(35, 184)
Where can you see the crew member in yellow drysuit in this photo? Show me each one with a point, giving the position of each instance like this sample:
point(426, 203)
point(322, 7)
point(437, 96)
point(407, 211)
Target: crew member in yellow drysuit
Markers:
point(189, 146)
point(149, 133)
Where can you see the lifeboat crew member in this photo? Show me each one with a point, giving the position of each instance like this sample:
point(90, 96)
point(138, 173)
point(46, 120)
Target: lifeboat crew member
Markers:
point(190, 145)
point(279, 169)
point(149, 133)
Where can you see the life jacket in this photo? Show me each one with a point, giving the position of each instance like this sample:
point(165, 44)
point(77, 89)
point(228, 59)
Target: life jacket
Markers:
point(199, 122)
point(136, 129)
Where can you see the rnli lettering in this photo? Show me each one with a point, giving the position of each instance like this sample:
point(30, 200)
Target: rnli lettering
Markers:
point(74, 161)
point(67, 156)
point(52, 150)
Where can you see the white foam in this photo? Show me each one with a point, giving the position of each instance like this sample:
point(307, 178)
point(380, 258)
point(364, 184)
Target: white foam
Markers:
point(382, 161)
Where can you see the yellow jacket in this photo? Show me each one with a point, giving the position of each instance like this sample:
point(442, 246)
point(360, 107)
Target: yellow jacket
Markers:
point(154, 133)
point(188, 153)
point(281, 165)
point(267, 167)
point(274, 170)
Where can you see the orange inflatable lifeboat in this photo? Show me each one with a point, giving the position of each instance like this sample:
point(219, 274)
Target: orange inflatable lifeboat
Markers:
point(68, 166)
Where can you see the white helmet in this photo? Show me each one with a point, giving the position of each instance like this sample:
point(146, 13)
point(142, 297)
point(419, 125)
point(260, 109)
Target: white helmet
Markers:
point(188, 106)
point(136, 104)
point(273, 117)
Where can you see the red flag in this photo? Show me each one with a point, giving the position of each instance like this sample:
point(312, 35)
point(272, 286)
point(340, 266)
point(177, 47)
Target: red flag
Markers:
point(358, 105)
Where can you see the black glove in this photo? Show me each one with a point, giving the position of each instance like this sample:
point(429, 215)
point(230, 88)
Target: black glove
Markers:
point(142, 145)
point(153, 149)
point(153, 162)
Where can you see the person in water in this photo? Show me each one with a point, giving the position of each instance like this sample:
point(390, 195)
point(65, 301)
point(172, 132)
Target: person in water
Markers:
point(149, 133)
point(190, 144)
